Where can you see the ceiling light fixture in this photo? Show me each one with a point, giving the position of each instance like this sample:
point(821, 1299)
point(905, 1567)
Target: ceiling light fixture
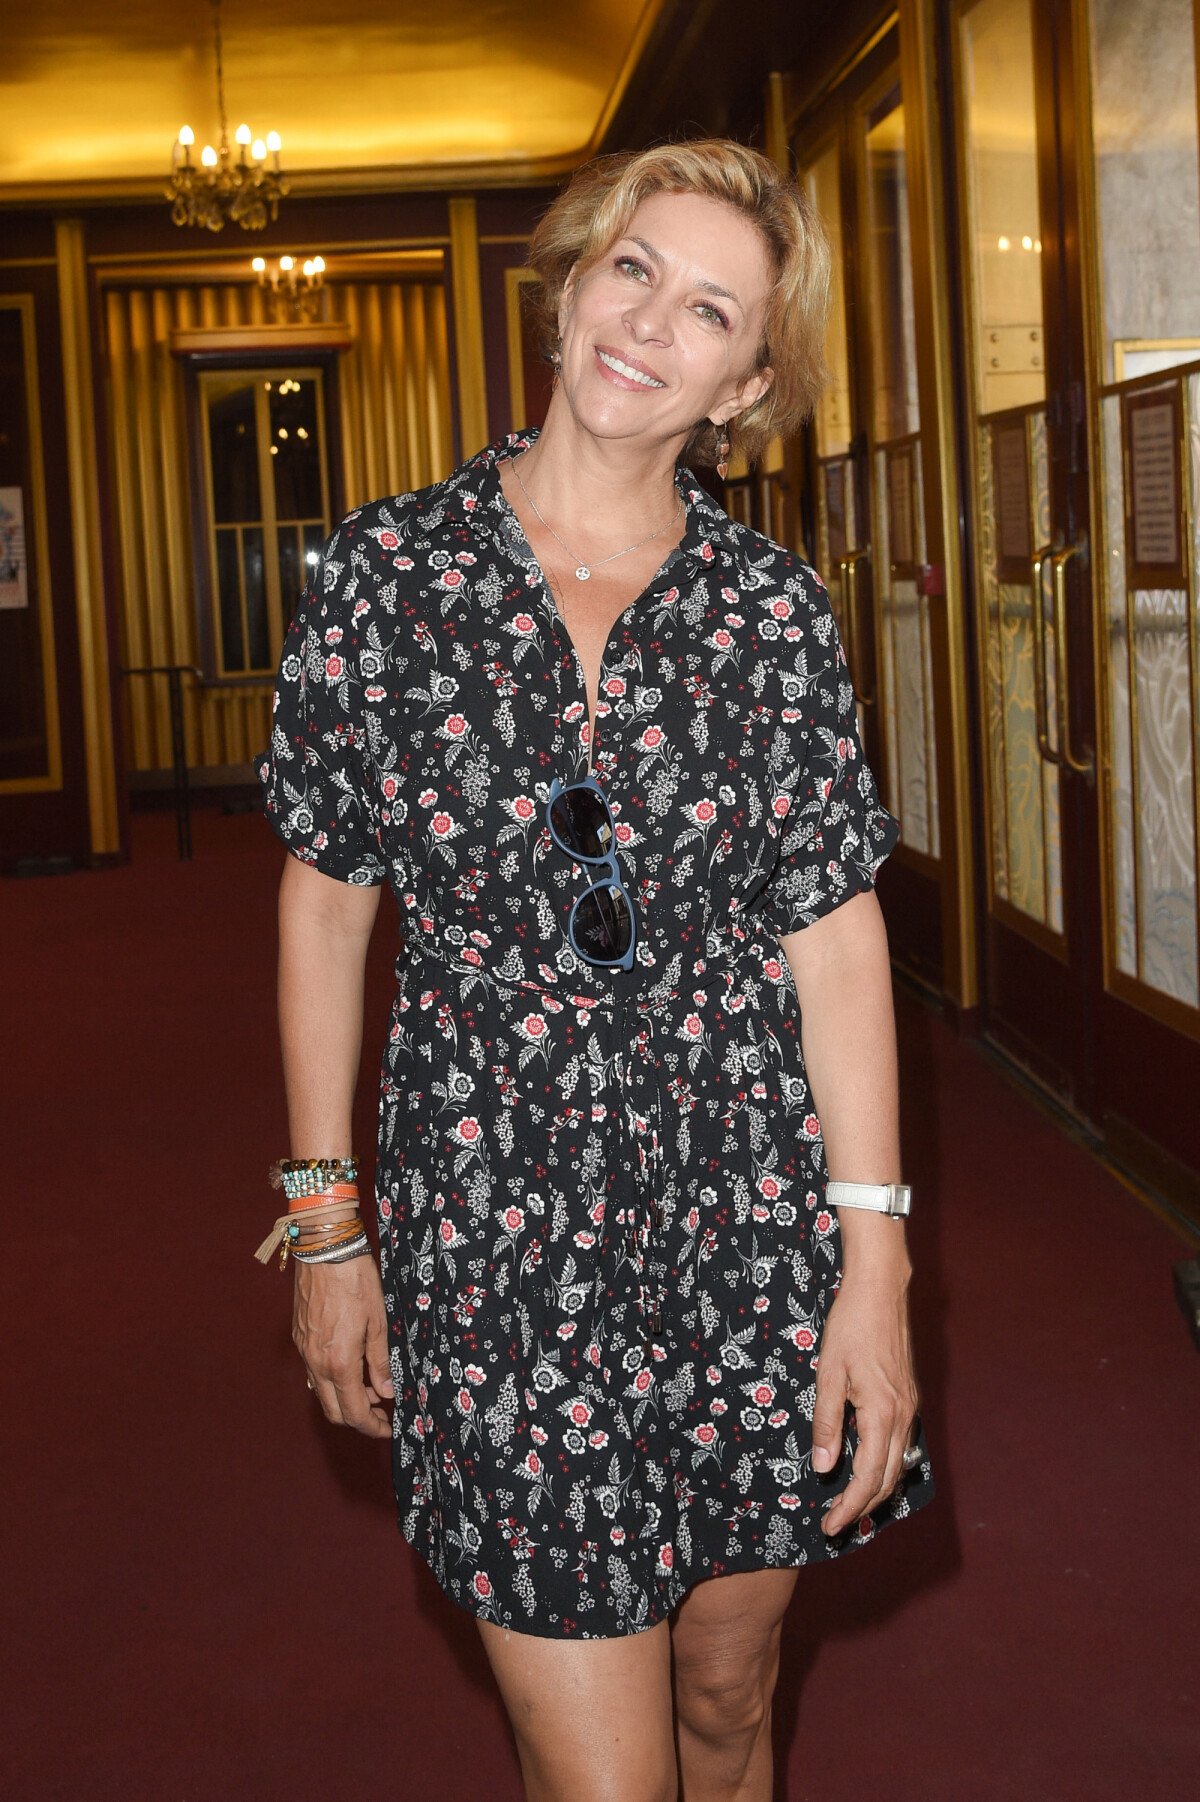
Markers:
point(245, 192)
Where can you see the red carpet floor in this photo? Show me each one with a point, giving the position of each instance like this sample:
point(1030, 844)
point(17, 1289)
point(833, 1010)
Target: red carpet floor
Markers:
point(206, 1597)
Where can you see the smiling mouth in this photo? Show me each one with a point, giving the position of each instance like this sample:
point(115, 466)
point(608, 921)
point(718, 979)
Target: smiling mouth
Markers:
point(627, 370)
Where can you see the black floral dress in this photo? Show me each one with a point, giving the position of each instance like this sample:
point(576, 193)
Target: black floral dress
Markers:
point(604, 1245)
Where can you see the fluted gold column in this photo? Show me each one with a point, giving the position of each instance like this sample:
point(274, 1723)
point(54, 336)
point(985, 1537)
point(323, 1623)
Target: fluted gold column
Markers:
point(95, 674)
point(468, 326)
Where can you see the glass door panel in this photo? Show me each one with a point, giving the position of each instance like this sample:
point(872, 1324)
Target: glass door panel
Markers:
point(1146, 163)
point(1014, 551)
point(898, 533)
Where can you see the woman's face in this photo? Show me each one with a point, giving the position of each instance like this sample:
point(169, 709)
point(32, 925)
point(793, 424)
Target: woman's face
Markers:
point(664, 330)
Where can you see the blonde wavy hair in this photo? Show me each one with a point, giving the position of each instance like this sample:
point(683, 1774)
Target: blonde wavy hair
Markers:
point(595, 209)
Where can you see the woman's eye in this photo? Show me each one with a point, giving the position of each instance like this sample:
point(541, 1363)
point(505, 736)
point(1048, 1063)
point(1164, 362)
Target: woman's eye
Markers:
point(631, 263)
point(714, 314)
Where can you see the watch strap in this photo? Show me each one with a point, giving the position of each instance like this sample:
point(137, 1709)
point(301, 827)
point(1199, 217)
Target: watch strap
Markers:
point(880, 1198)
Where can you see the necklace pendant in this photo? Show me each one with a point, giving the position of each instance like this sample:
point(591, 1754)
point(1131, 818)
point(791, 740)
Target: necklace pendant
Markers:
point(583, 573)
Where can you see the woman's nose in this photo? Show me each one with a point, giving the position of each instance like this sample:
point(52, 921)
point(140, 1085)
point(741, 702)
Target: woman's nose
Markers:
point(649, 320)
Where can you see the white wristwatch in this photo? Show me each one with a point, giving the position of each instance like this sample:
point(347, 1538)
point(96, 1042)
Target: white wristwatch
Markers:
point(881, 1198)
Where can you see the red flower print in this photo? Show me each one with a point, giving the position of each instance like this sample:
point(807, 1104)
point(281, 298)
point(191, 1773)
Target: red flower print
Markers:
point(534, 1026)
point(446, 1232)
point(693, 1026)
point(693, 1219)
point(402, 562)
point(666, 1560)
point(390, 787)
point(781, 609)
point(482, 1584)
point(804, 1338)
point(706, 812)
point(651, 738)
point(789, 1501)
point(812, 1126)
point(722, 639)
point(643, 1380)
point(823, 1222)
point(514, 1219)
point(441, 823)
point(615, 686)
point(624, 832)
point(706, 1434)
point(333, 668)
point(375, 693)
point(333, 635)
point(764, 1395)
point(533, 1464)
point(456, 725)
point(451, 578)
point(773, 969)
point(474, 1374)
point(580, 1413)
point(769, 1187)
point(466, 1401)
point(781, 806)
point(524, 807)
point(468, 1129)
point(523, 623)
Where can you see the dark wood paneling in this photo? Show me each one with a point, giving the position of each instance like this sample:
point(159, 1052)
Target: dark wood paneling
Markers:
point(51, 823)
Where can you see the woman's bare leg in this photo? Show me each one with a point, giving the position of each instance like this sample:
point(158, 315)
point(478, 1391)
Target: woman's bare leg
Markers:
point(592, 1718)
point(726, 1644)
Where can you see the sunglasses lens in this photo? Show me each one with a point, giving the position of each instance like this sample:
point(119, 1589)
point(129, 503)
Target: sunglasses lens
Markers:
point(580, 820)
point(603, 924)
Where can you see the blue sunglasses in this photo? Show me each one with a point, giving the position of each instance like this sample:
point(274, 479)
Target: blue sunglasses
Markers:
point(601, 926)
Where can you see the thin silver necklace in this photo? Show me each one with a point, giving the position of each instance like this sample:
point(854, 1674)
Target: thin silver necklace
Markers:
point(583, 570)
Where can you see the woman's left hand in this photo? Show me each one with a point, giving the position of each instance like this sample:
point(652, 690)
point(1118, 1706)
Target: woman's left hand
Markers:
point(866, 1360)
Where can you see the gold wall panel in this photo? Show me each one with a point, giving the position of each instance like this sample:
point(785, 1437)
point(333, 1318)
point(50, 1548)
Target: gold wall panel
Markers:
point(396, 436)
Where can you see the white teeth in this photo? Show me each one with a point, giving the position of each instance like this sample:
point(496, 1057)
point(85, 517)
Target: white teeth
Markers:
point(634, 375)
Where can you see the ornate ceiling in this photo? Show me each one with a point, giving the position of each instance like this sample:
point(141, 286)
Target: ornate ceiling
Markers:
point(416, 92)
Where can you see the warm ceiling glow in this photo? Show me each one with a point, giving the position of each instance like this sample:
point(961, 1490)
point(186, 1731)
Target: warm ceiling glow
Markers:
point(462, 82)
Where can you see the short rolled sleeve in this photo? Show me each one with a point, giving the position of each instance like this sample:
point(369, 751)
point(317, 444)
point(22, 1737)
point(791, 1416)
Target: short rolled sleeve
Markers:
point(314, 773)
point(835, 831)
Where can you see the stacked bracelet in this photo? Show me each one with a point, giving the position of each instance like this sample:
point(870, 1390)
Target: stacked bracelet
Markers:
point(323, 1223)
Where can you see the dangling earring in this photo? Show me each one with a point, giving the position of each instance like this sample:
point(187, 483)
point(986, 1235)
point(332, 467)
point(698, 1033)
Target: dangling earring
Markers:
point(723, 448)
point(556, 365)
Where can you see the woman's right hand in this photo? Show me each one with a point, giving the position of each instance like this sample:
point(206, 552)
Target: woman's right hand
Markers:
point(339, 1325)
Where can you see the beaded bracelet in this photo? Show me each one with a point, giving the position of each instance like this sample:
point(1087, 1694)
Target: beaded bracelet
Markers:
point(298, 1177)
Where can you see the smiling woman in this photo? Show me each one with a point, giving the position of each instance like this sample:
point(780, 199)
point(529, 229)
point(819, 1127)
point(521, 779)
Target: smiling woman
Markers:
point(601, 742)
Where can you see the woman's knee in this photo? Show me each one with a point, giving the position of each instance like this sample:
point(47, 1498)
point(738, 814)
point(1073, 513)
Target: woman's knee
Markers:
point(726, 1702)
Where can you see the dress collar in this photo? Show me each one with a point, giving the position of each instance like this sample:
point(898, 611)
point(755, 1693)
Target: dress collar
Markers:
point(474, 495)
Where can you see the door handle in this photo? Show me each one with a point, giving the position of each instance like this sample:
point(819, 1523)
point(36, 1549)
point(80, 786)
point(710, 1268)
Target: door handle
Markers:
point(848, 567)
point(1041, 711)
point(1085, 765)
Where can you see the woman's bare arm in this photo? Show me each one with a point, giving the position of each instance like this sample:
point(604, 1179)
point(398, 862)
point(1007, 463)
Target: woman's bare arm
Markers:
point(844, 983)
point(339, 1320)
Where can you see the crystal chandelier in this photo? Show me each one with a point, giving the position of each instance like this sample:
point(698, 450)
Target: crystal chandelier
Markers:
point(295, 293)
point(246, 192)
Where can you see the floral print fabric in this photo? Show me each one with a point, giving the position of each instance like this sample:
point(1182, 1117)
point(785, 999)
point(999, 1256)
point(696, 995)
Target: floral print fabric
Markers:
point(605, 1251)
